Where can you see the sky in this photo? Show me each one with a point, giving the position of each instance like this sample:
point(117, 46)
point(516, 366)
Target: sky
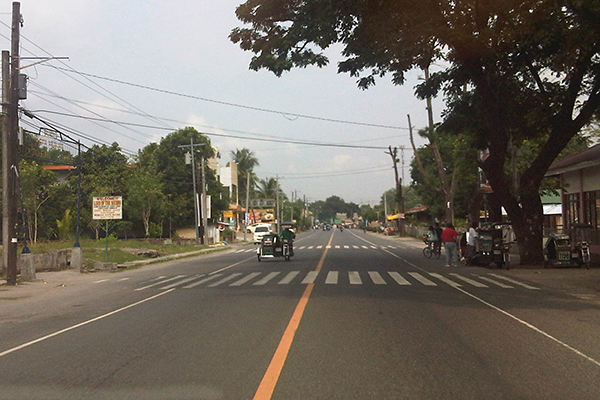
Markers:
point(165, 65)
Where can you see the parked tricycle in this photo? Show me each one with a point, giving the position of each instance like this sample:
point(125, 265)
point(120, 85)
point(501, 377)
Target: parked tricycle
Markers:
point(272, 246)
point(559, 252)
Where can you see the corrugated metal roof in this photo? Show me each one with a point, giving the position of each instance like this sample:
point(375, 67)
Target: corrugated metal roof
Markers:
point(584, 159)
point(59, 167)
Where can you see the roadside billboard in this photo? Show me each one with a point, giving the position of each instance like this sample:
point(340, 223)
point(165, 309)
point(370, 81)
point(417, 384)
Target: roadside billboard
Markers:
point(108, 207)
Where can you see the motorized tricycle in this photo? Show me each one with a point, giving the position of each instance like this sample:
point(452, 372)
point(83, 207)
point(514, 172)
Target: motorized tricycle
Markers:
point(272, 246)
point(483, 248)
point(559, 252)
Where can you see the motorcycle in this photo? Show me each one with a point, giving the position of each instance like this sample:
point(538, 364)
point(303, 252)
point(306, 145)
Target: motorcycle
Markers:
point(272, 246)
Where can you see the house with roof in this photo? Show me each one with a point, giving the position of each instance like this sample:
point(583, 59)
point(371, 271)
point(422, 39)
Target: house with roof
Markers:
point(579, 176)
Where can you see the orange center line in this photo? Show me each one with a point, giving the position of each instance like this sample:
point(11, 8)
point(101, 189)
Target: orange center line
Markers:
point(269, 380)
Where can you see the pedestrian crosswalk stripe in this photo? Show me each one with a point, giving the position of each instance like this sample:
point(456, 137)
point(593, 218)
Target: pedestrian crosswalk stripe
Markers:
point(364, 247)
point(250, 250)
point(245, 279)
point(160, 282)
point(310, 247)
point(301, 247)
point(310, 277)
point(376, 278)
point(327, 247)
point(242, 250)
point(337, 246)
point(200, 282)
point(226, 279)
point(398, 278)
point(172, 285)
point(373, 247)
point(490, 280)
point(266, 279)
point(346, 247)
point(469, 281)
point(355, 247)
point(422, 279)
point(289, 277)
point(445, 280)
point(354, 278)
point(332, 278)
point(319, 247)
point(515, 282)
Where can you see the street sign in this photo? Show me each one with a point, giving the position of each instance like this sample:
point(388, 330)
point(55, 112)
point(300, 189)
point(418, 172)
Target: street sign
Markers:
point(108, 207)
point(263, 203)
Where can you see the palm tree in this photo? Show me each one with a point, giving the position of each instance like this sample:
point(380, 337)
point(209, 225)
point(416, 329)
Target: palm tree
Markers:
point(246, 161)
point(266, 188)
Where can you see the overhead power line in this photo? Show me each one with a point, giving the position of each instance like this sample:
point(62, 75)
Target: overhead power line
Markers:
point(226, 103)
point(299, 142)
point(336, 174)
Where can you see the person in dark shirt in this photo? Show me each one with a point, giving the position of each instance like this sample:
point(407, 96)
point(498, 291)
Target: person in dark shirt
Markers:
point(449, 236)
point(438, 231)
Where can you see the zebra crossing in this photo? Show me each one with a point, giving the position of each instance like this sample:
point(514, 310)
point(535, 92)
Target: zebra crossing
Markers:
point(329, 278)
point(337, 246)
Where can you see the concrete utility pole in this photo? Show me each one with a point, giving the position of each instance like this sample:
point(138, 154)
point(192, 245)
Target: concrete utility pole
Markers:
point(192, 147)
point(247, 203)
point(203, 201)
point(278, 208)
point(10, 103)
point(399, 198)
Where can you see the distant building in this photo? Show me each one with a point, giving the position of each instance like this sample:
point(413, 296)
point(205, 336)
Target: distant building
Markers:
point(62, 171)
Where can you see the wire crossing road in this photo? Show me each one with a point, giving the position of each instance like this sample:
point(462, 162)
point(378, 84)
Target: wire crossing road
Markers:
point(351, 316)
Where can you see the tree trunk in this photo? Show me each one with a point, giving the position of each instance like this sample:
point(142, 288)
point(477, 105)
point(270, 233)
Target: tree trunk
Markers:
point(528, 227)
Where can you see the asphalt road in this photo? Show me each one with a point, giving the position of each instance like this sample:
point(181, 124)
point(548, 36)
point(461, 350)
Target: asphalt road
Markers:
point(351, 316)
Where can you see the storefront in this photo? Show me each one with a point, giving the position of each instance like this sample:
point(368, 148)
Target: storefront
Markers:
point(579, 176)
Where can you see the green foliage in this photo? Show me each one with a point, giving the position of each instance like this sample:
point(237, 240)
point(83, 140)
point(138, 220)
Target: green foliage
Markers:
point(456, 153)
point(65, 225)
point(177, 175)
point(155, 230)
point(334, 205)
point(246, 161)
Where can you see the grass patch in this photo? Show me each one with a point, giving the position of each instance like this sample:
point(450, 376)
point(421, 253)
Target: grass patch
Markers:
point(94, 250)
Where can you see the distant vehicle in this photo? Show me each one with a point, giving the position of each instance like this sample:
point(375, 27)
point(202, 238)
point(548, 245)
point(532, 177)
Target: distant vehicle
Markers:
point(251, 228)
point(261, 231)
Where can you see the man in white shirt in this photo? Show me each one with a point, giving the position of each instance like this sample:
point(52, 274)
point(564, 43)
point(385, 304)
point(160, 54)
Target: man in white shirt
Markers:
point(471, 241)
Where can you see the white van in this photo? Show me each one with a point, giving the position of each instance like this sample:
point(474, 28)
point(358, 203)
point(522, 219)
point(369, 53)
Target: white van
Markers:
point(261, 231)
point(251, 228)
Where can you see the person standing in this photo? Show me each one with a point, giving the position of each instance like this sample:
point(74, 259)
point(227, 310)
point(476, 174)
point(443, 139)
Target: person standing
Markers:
point(471, 241)
point(449, 236)
point(438, 230)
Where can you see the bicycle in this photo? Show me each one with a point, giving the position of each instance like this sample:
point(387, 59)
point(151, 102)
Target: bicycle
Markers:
point(431, 250)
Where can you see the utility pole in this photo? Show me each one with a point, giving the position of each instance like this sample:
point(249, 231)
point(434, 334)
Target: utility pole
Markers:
point(10, 102)
point(247, 203)
point(192, 147)
point(394, 154)
point(278, 208)
point(203, 203)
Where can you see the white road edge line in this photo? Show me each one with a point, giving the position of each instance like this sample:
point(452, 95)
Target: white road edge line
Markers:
point(530, 326)
point(89, 321)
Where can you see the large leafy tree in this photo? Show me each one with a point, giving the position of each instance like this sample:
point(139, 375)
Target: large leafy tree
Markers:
point(334, 205)
point(146, 198)
point(177, 175)
point(519, 68)
point(37, 186)
point(105, 172)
